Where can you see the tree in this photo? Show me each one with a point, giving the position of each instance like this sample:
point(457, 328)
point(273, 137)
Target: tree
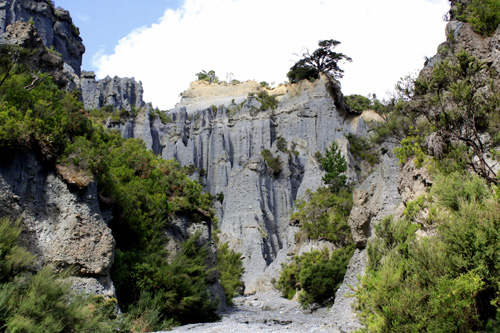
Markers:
point(334, 164)
point(322, 60)
point(12, 58)
point(461, 104)
point(207, 76)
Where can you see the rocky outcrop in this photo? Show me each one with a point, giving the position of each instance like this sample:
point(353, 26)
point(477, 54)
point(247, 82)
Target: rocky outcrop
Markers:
point(375, 198)
point(413, 181)
point(59, 225)
point(41, 59)
point(117, 93)
point(54, 26)
point(460, 36)
point(201, 94)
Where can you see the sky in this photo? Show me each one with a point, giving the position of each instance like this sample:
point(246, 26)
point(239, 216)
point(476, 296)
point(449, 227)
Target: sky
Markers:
point(164, 43)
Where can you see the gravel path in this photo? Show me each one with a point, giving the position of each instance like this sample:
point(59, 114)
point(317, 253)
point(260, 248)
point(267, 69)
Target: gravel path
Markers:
point(267, 312)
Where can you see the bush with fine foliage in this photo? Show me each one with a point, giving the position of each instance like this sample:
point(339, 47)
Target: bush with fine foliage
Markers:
point(230, 269)
point(143, 191)
point(483, 15)
point(273, 162)
point(323, 215)
point(448, 283)
point(43, 301)
point(315, 275)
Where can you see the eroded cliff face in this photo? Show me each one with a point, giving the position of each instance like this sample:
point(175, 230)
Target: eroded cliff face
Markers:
point(224, 142)
point(118, 93)
point(54, 26)
point(60, 225)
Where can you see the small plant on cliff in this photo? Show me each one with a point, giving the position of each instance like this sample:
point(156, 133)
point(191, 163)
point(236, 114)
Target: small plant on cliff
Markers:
point(267, 101)
point(334, 165)
point(322, 60)
point(282, 145)
point(274, 162)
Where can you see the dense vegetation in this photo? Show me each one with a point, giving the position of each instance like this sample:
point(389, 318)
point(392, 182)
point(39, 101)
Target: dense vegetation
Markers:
point(322, 216)
point(446, 279)
point(230, 269)
point(446, 283)
point(362, 103)
point(483, 15)
point(143, 191)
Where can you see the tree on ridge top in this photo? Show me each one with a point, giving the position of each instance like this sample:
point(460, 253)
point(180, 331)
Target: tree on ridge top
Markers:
point(322, 60)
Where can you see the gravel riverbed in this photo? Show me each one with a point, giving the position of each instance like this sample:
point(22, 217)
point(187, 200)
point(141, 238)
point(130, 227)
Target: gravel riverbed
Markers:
point(267, 312)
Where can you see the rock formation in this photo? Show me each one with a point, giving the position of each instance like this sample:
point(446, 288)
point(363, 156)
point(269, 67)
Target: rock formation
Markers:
point(60, 225)
point(118, 93)
point(54, 26)
point(221, 131)
point(224, 142)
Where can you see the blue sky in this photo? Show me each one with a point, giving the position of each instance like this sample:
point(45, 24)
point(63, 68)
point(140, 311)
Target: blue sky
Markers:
point(103, 23)
point(164, 43)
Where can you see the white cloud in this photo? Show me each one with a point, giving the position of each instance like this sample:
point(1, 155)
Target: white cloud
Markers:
point(256, 39)
point(83, 18)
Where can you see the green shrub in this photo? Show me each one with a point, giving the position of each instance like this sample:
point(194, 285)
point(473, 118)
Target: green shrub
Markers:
point(273, 162)
point(267, 101)
point(447, 283)
point(282, 144)
point(300, 72)
point(207, 76)
point(230, 269)
point(411, 146)
point(14, 259)
point(334, 165)
point(457, 187)
point(145, 314)
point(43, 301)
point(220, 197)
point(360, 149)
point(357, 102)
point(483, 15)
point(316, 275)
point(323, 215)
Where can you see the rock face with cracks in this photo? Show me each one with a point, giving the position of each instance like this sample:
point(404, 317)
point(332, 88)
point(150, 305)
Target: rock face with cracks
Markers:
point(60, 225)
point(118, 93)
point(224, 144)
point(54, 26)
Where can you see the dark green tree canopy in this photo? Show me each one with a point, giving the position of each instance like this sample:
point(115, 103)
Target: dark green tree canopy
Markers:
point(322, 60)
